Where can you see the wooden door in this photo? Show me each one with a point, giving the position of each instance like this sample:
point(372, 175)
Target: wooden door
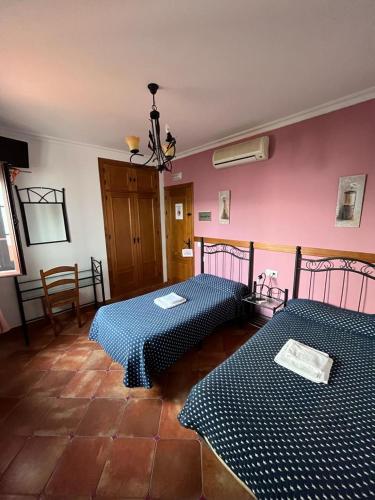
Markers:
point(148, 239)
point(121, 230)
point(179, 231)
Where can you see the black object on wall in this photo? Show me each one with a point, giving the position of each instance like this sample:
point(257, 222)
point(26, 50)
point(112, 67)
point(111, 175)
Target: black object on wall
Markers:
point(14, 153)
point(48, 223)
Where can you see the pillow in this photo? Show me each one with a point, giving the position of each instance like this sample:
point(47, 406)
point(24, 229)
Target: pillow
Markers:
point(239, 290)
point(333, 316)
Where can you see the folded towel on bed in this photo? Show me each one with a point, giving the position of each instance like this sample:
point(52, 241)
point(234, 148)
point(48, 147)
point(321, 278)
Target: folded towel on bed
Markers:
point(305, 361)
point(170, 300)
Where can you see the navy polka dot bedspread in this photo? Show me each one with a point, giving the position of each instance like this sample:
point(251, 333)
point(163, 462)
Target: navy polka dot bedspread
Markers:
point(282, 435)
point(146, 339)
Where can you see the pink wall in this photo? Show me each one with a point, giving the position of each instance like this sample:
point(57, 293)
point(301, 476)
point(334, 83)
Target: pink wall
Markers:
point(291, 198)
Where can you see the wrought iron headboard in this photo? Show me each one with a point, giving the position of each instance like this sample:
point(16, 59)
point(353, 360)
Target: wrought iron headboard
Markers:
point(326, 265)
point(228, 269)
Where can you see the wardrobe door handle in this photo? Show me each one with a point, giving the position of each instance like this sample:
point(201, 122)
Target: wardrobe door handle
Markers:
point(138, 239)
point(134, 240)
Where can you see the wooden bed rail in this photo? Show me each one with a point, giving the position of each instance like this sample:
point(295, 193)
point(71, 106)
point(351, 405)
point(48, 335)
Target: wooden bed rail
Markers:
point(324, 252)
point(316, 252)
point(214, 241)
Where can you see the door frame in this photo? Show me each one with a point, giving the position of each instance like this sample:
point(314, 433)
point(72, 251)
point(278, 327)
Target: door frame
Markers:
point(167, 189)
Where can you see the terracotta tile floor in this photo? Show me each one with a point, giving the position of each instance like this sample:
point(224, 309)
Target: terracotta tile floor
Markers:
point(70, 429)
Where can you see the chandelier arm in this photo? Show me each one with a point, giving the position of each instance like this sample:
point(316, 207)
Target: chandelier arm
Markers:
point(157, 128)
point(151, 137)
point(135, 154)
point(158, 149)
point(148, 161)
point(167, 166)
point(163, 158)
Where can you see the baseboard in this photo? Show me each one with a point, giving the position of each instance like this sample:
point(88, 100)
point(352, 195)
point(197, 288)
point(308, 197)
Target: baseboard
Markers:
point(140, 291)
point(39, 322)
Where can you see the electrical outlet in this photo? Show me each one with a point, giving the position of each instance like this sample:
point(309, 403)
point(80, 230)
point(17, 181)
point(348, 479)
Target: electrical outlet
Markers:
point(271, 273)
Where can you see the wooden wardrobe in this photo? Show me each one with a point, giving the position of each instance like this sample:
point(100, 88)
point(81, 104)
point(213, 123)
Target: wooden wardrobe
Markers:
point(131, 209)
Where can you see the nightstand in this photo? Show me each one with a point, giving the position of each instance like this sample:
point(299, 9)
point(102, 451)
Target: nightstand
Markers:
point(263, 296)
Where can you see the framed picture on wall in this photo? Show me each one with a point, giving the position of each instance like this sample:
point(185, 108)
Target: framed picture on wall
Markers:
point(224, 207)
point(179, 211)
point(350, 200)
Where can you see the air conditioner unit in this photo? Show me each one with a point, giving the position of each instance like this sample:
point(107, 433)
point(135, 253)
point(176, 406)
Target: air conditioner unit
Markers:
point(244, 152)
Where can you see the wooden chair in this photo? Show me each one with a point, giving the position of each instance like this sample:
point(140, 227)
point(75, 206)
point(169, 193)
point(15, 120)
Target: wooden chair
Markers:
point(58, 298)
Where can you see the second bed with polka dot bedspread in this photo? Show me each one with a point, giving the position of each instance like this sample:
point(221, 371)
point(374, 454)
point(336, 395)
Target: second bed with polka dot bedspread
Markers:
point(284, 436)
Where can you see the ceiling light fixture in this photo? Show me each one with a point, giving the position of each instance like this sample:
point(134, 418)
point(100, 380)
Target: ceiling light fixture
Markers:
point(161, 154)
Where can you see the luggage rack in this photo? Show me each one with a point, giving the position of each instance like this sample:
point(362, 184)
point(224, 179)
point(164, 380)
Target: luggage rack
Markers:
point(30, 290)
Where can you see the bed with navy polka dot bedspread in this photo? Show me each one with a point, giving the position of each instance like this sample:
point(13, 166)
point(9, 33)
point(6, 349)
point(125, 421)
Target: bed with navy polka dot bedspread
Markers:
point(282, 435)
point(146, 339)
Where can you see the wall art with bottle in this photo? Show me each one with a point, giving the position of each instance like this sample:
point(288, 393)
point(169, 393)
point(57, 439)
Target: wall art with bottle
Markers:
point(350, 200)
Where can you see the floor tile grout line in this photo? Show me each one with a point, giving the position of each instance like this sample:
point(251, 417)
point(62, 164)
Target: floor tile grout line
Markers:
point(161, 413)
point(152, 469)
point(82, 397)
point(27, 393)
point(121, 414)
point(63, 388)
point(54, 469)
point(71, 435)
point(93, 494)
point(202, 479)
point(27, 438)
point(4, 417)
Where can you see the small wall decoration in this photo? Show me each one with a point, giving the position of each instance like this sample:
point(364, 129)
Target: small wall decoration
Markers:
point(204, 216)
point(350, 200)
point(187, 252)
point(179, 211)
point(177, 176)
point(224, 207)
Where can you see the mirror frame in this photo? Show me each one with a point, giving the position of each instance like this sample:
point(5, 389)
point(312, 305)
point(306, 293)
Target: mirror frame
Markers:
point(42, 196)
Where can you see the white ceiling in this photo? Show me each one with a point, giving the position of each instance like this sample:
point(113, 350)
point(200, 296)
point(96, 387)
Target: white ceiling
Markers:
point(78, 69)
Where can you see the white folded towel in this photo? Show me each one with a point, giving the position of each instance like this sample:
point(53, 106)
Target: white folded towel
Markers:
point(305, 361)
point(170, 300)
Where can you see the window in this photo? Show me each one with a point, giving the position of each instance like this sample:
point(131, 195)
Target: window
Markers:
point(11, 261)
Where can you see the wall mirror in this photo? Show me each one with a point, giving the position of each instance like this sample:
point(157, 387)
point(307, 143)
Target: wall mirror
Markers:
point(44, 216)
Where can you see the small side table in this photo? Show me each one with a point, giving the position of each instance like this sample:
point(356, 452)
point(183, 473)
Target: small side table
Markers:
point(272, 298)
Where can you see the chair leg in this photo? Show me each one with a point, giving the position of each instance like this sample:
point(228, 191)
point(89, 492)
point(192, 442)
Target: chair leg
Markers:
point(44, 308)
point(78, 312)
point(53, 322)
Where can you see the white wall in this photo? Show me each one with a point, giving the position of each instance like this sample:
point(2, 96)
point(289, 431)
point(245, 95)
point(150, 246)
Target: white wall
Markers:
point(74, 166)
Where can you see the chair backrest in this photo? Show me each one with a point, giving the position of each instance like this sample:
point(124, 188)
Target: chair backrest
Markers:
point(59, 280)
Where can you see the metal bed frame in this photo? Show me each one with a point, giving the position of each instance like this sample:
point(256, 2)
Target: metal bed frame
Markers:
point(326, 265)
point(29, 290)
point(237, 255)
